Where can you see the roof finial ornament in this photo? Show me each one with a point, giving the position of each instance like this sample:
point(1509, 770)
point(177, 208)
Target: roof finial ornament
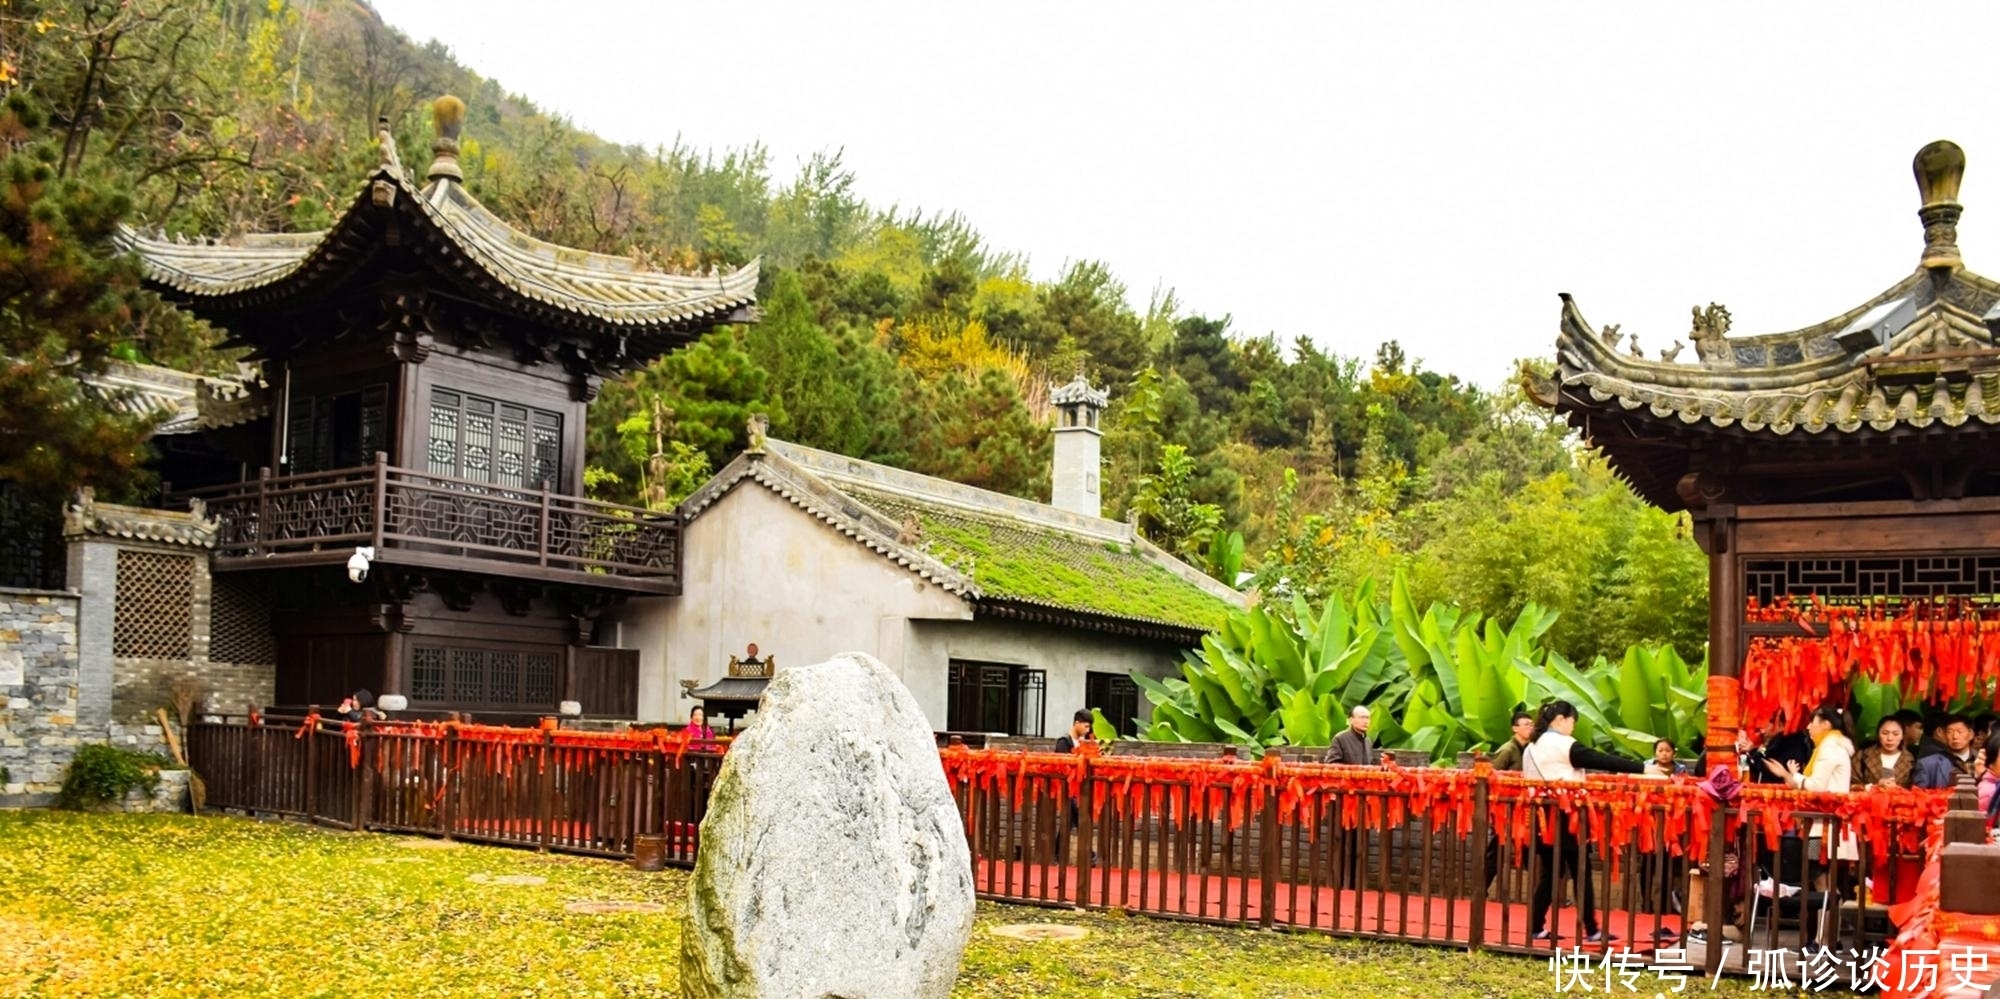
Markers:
point(758, 426)
point(1939, 167)
point(1709, 333)
point(448, 116)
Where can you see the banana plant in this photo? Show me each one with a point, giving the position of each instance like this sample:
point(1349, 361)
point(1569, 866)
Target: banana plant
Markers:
point(1265, 679)
point(1650, 695)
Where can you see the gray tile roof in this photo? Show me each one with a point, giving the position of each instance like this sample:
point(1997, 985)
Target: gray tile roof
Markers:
point(1937, 367)
point(620, 292)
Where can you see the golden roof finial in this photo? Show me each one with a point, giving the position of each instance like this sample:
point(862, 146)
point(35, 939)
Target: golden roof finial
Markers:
point(448, 117)
point(1939, 167)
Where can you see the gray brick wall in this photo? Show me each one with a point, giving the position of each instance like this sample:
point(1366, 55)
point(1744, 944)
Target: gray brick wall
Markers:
point(40, 683)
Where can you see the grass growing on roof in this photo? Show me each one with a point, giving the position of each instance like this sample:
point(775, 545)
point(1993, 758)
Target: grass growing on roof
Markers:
point(169, 907)
point(1069, 571)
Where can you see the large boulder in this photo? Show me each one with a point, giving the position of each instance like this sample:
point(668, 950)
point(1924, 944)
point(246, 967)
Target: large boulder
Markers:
point(833, 860)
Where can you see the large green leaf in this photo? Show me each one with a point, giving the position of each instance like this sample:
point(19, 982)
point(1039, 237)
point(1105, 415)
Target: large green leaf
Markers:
point(1305, 721)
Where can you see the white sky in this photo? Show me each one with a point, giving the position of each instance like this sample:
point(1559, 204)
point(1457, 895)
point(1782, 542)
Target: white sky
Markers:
point(1430, 172)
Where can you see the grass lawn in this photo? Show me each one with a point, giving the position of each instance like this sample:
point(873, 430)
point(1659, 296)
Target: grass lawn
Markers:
point(167, 906)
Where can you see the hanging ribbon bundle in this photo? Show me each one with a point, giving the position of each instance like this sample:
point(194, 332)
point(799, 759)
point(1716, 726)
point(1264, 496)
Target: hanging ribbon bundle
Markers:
point(1612, 813)
point(1933, 651)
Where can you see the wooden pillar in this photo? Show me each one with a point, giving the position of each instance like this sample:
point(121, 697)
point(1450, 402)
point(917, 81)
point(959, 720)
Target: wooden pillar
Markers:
point(1716, 529)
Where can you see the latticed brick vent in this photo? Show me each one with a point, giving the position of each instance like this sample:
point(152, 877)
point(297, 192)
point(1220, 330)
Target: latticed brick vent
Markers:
point(239, 624)
point(155, 616)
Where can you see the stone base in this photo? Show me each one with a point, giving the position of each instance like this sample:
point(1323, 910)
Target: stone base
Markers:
point(170, 796)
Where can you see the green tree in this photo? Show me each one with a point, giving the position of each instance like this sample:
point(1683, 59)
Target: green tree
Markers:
point(1169, 515)
point(839, 389)
point(710, 391)
point(69, 303)
point(976, 431)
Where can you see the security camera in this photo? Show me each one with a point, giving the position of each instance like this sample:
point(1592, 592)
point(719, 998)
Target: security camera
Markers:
point(357, 563)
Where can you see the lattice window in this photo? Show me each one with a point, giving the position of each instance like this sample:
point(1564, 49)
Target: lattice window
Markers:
point(461, 675)
point(239, 623)
point(155, 615)
point(995, 697)
point(468, 675)
point(1852, 579)
point(511, 456)
point(476, 438)
point(548, 449)
point(443, 450)
point(477, 458)
point(427, 674)
point(541, 678)
point(503, 677)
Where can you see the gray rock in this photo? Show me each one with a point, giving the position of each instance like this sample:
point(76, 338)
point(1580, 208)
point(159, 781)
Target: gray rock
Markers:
point(833, 863)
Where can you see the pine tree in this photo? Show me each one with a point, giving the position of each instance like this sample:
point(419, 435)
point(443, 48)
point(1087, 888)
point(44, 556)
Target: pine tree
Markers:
point(69, 304)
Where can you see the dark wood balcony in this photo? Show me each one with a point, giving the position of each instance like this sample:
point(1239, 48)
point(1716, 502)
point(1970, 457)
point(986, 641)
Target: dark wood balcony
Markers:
point(433, 521)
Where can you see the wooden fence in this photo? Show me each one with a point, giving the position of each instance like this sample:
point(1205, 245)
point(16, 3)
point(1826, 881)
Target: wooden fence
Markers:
point(1374, 863)
point(542, 791)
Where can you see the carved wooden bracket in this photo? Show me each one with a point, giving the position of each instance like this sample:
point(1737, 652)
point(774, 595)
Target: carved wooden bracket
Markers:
point(516, 599)
point(407, 319)
point(457, 592)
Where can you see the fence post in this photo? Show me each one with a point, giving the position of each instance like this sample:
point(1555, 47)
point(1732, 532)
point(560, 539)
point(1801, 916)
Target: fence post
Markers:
point(381, 512)
point(1480, 835)
point(1086, 834)
point(312, 771)
point(1268, 844)
point(448, 773)
point(1714, 892)
point(365, 780)
point(548, 790)
point(263, 513)
point(253, 768)
point(542, 533)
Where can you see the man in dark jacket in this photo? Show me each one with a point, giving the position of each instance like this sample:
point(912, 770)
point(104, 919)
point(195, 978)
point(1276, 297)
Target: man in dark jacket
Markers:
point(1508, 756)
point(1957, 759)
point(1351, 746)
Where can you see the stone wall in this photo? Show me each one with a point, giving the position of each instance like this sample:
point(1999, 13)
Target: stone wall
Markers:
point(39, 684)
point(141, 686)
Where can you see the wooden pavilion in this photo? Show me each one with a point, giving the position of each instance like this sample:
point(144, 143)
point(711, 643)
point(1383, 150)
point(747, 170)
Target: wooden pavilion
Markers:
point(1851, 460)
point(413, 502)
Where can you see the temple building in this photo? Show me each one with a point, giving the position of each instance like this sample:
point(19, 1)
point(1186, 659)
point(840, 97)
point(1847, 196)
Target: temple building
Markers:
point(390, 495)
point(1852, 460)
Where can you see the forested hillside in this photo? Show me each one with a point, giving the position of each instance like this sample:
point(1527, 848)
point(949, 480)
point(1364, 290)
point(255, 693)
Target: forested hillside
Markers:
point(888, 334)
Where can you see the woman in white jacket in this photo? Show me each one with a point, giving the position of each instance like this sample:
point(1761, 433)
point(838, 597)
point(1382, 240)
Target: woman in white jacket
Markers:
point(1555, 755)
point(1831, 769)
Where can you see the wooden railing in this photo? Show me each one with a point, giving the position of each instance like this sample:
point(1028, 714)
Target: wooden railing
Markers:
point(1359, 862)
point(320, 516)
point(538, 792)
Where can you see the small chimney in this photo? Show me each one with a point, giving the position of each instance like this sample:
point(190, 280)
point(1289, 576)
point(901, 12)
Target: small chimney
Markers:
point(1077, 483)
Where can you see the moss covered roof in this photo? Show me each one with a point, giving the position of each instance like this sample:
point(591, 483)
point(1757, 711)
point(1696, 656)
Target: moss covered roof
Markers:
point(1035, 563)
point(1008, 556)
